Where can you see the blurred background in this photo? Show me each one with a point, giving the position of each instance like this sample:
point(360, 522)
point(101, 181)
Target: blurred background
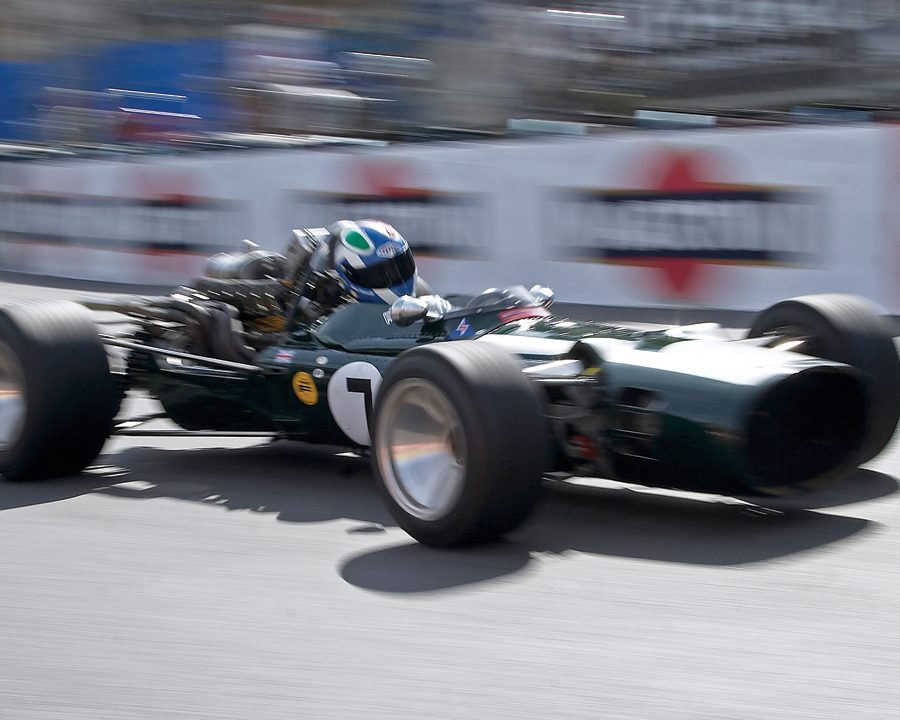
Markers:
point(187, 71)
point(456, 120)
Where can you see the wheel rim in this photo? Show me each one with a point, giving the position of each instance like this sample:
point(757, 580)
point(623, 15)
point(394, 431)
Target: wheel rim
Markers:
point(421, 449)
point(12, 397)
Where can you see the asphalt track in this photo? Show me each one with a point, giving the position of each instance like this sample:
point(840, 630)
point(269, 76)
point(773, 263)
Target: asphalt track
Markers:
point(189, 578)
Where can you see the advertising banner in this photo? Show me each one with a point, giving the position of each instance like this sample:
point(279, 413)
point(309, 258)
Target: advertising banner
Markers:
point(726, 219)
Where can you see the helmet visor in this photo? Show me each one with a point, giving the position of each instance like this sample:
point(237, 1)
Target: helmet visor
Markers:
point(394, 271)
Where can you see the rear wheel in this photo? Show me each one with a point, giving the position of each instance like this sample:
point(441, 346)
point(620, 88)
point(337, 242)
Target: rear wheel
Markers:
point(458, 443)
point(847, 329)
point(57, 396)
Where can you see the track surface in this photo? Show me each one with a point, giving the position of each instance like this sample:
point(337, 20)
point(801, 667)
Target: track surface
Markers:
point(187, 578)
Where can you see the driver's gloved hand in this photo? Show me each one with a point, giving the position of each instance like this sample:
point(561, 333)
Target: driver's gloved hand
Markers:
point(437, 304)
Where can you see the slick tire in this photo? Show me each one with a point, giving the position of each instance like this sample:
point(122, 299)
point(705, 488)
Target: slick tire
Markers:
point(458, 443)
point(847, 329)
point(57, 396)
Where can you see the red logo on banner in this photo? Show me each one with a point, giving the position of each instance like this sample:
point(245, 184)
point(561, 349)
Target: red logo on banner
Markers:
point(678, 213)
point(165, 187)
point(400, 192)
point(679, 176)
point(387, 179)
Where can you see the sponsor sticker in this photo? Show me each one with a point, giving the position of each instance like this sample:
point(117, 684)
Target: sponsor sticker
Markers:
point(305, 388)
point(389, 250)
point(462, 330)
point(284, 356)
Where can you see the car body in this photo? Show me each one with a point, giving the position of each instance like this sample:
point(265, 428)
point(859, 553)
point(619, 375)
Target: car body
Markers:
point(466, 410)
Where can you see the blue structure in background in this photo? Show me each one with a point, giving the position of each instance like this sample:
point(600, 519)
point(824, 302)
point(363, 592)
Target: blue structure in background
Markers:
point(185, 68)
point(197, 69)
point(15, 107)
point(188, 69)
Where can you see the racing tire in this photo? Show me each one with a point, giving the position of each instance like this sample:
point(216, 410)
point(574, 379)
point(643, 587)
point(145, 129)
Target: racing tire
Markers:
point(57, 395)
point(851, 330)
point(458, 443)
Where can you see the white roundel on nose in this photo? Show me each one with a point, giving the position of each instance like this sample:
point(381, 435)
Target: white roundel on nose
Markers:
point(351, 398)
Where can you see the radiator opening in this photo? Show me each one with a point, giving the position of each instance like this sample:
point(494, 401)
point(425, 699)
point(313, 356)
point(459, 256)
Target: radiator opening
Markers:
point(806, 426)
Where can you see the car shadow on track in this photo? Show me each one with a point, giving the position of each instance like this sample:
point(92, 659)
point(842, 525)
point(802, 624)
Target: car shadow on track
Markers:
point(296, 483)
point(623, 522)
point(305, 484)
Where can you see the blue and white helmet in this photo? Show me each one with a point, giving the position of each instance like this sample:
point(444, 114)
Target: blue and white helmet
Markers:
point(373, 261)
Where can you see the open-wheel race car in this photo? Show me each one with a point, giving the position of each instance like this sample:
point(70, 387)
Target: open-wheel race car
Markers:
point(465, 408)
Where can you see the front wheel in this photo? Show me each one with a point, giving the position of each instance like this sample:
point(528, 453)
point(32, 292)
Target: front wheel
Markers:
point(458, 443)
point(847, 329)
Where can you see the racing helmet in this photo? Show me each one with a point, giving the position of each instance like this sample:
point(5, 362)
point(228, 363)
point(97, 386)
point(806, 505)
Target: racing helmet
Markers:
point(373, 261)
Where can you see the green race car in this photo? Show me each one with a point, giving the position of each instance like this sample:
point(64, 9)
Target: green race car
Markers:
point(463, 411)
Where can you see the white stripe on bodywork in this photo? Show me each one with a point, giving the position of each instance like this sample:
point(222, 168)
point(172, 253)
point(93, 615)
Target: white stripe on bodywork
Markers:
point(525, 345)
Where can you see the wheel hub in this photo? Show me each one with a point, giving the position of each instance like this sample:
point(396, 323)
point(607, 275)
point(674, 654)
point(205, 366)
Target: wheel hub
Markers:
point(421, 449)
point(12, 397)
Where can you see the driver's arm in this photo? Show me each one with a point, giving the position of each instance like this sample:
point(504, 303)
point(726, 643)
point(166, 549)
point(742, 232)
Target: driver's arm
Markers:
point(423, 288)
point(308, 253)
point(305, 249)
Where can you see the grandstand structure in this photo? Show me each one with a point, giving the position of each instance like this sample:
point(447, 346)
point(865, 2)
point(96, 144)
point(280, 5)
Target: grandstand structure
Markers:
point(257, 65)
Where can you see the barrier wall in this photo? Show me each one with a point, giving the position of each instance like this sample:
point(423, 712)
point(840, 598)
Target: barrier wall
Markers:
point(724, 219)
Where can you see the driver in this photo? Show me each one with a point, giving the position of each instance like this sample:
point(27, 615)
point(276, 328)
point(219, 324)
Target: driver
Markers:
point(362, 260)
